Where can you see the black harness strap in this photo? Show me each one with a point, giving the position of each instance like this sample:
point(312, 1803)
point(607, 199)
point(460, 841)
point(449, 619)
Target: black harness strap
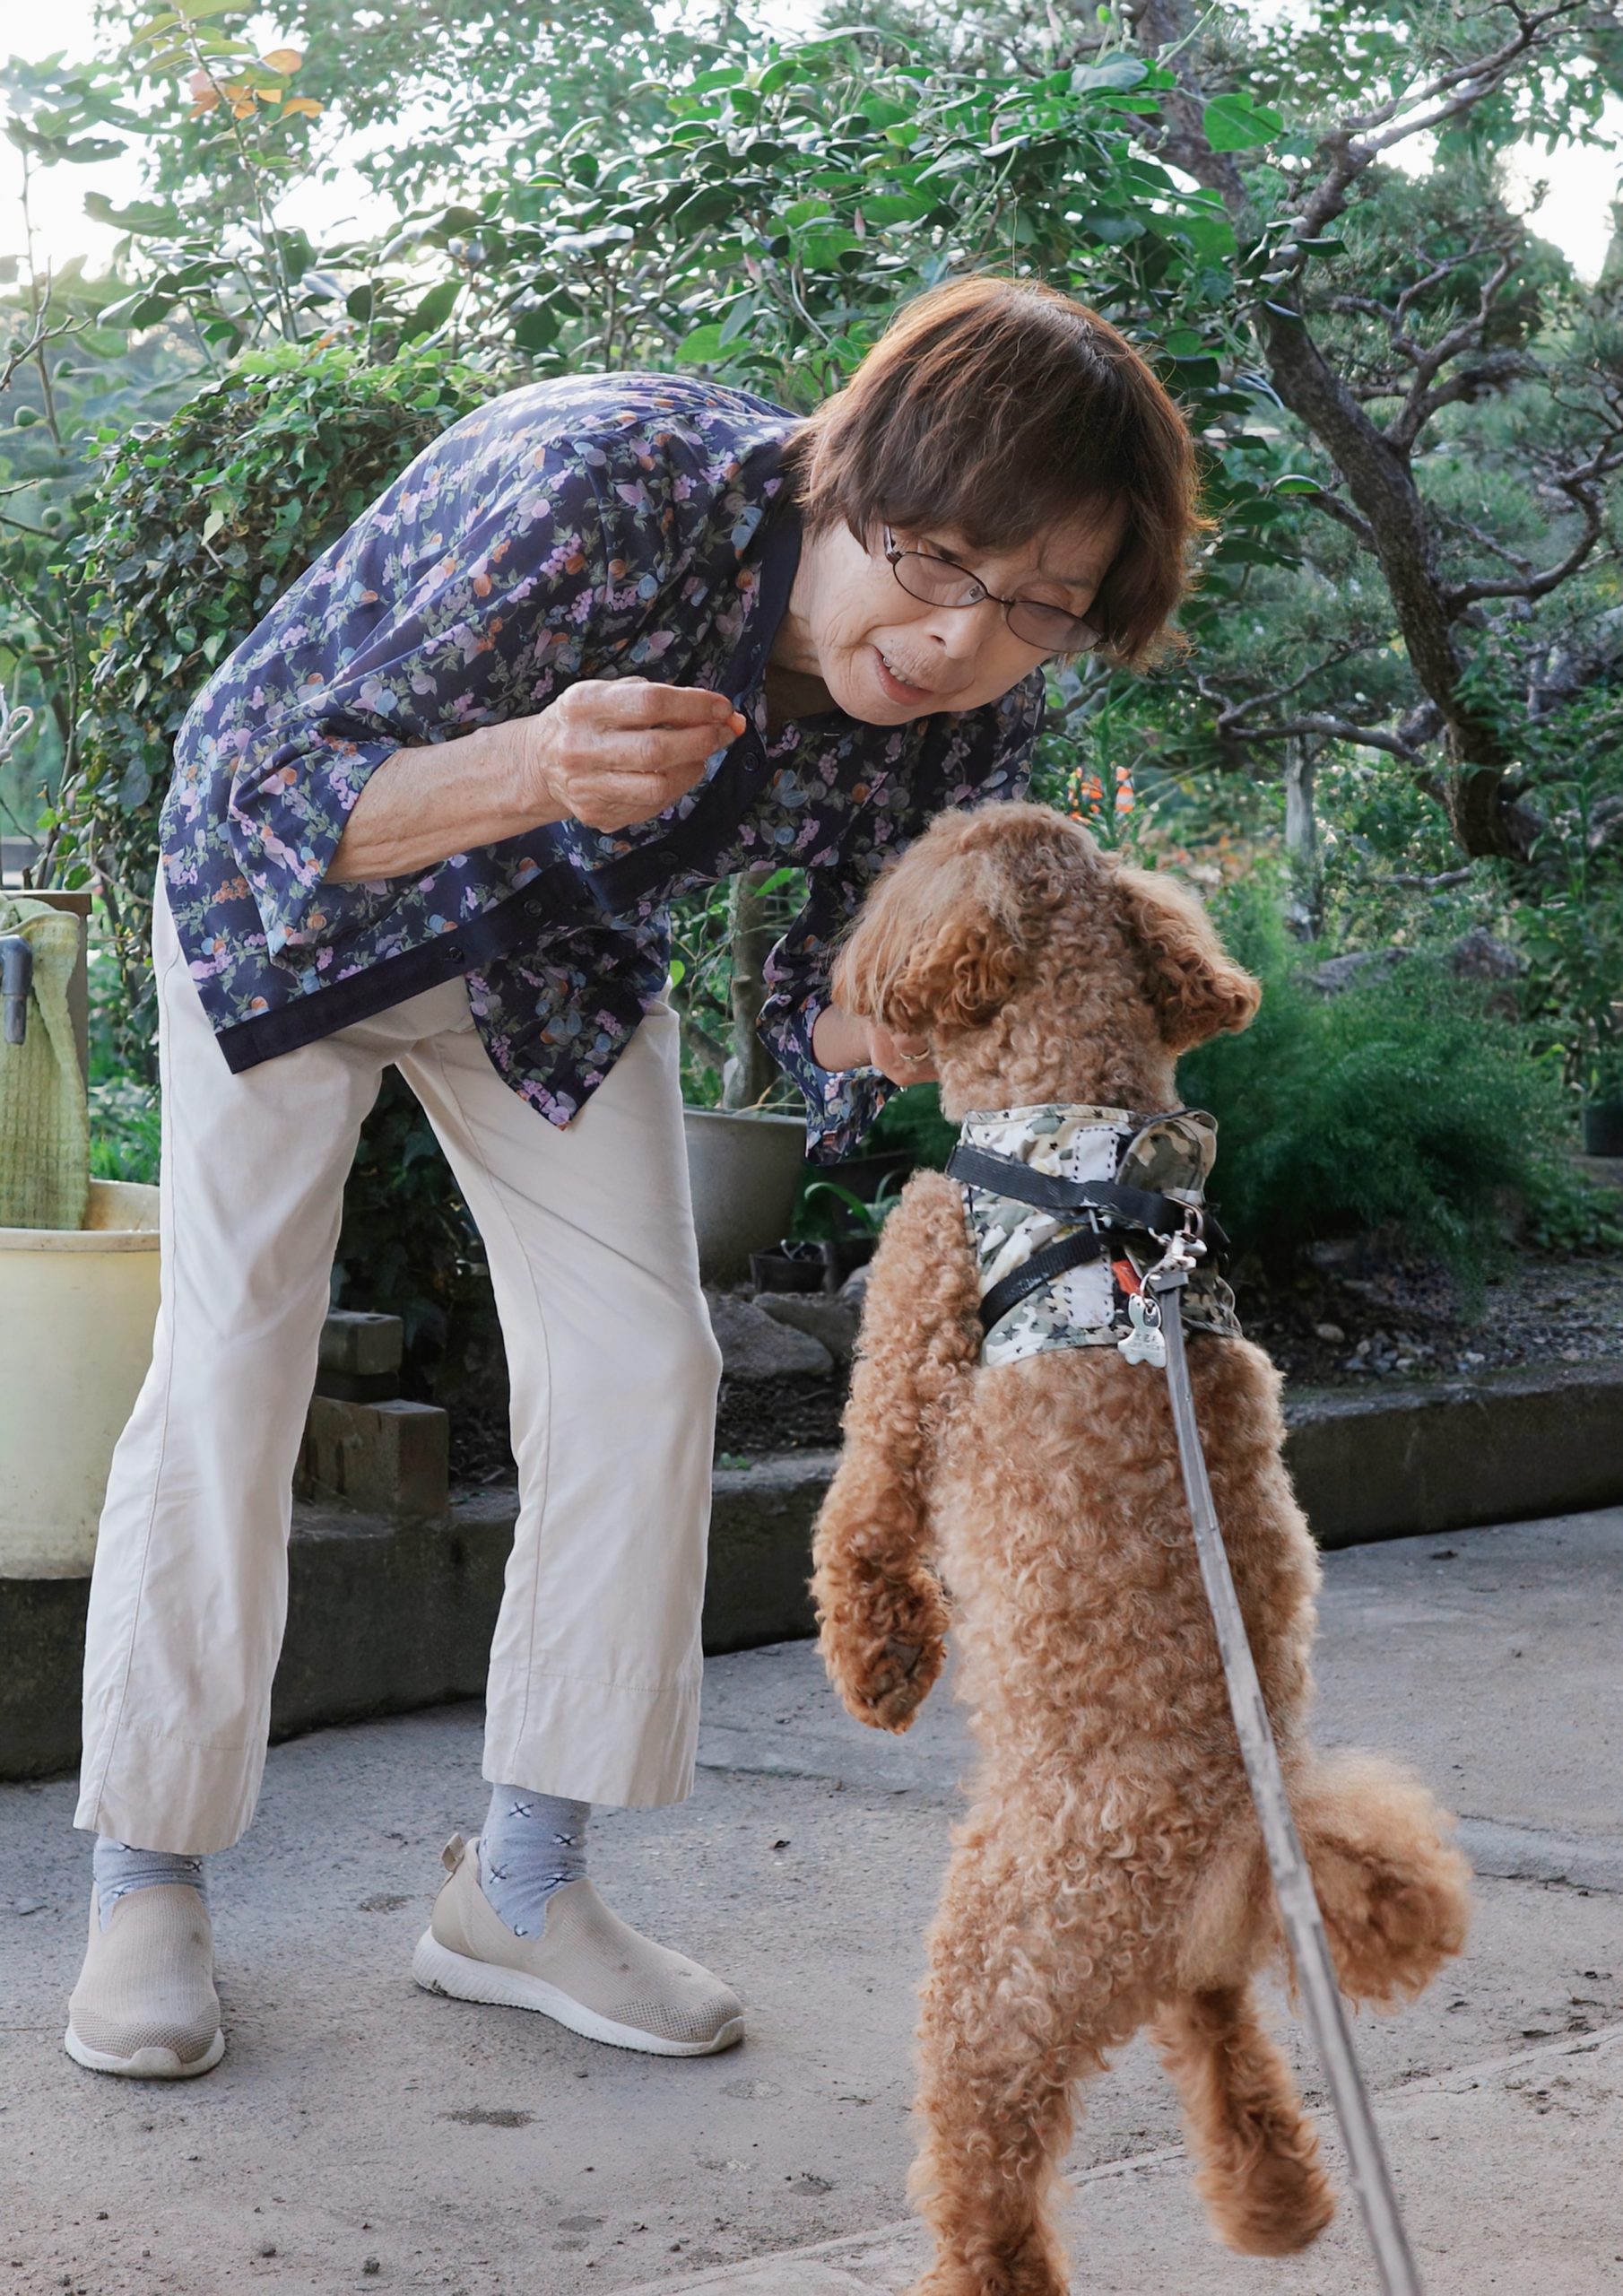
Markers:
point(1136, 1207)
point(1042, 1268)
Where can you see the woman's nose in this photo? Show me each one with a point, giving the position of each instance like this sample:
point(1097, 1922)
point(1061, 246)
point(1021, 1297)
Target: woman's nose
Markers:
point(962, 631)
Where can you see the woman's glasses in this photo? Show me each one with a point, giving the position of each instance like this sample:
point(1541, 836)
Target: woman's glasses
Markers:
point(943, 582)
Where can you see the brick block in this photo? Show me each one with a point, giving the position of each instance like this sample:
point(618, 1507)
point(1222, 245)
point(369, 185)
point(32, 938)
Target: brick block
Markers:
point(390, 1458)
point(361, 1345)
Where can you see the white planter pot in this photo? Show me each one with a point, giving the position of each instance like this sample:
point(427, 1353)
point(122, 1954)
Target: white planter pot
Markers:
point(77, 1307)
point(744, 1169)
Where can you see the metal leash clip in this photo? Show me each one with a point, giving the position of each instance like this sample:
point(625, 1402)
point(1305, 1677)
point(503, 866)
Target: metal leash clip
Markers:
point(1180, 1252)
point(1146, 1343)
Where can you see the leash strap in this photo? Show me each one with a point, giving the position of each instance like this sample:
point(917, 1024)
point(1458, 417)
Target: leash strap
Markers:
point(1299, 1903)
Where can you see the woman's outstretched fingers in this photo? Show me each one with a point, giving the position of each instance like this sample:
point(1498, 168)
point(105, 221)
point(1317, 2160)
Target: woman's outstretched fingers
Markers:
point(612, 751)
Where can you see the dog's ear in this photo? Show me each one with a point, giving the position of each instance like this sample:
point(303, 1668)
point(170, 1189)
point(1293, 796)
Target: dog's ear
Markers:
point(1197, 989)
point(951, 931)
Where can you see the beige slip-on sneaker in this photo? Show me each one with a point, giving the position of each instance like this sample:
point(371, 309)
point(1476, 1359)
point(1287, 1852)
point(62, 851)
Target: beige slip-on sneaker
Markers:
point(145, 2003)
point(588, 1969)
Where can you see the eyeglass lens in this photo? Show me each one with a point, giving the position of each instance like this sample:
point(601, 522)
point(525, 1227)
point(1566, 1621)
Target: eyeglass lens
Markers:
point(937, 581)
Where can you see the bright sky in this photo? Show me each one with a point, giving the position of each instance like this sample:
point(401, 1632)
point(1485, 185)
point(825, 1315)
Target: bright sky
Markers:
point(1575, 213)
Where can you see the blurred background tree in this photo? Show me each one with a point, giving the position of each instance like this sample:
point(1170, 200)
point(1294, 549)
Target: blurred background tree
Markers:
point(1406, 665)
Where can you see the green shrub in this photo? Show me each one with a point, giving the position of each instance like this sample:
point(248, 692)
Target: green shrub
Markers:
point(194, 526)
point(125, 1123)
point(1400, 1104)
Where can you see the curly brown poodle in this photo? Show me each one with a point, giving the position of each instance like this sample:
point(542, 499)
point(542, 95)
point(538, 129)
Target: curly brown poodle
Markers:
point(1109, 1873)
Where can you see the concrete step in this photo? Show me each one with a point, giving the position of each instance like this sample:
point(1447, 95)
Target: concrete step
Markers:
point(386, 1615)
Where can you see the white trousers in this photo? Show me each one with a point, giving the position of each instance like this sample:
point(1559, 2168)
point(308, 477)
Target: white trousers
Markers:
point(595, 1669)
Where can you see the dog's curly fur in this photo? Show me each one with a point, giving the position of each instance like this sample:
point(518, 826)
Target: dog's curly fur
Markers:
point(1109, 1873)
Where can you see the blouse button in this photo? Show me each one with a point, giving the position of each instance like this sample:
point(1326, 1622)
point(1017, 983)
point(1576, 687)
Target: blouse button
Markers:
point(454, 951)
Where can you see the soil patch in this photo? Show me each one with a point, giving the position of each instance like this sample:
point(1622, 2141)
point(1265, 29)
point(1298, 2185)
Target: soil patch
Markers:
point(1352, 1318)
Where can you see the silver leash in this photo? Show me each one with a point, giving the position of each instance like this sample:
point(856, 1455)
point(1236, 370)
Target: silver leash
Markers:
point(1158, 1337)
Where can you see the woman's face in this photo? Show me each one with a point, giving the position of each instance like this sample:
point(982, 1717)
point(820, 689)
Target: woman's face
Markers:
point(886, 657)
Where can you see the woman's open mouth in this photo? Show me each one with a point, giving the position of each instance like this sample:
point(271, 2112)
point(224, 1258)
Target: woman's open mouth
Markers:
point(897, 689)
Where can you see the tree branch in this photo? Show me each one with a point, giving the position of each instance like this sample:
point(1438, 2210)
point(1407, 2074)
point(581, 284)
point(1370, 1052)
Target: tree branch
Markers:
point(1333, 729)
point(1497, 370)
point(1429, 363)
point(1579, 487)
point(1344, 515)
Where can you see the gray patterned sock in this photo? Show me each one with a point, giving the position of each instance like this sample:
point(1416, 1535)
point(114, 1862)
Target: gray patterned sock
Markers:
point(532, 1844)
point(120, 1867)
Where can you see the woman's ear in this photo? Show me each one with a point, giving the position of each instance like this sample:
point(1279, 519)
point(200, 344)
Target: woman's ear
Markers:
point(1197, 990)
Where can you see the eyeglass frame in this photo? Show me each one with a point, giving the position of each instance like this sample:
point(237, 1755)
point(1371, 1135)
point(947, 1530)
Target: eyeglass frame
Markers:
point(894, 551)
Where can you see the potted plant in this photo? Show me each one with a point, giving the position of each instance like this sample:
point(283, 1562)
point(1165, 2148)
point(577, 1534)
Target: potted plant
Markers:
point(81, 1299)
point(744, 1158)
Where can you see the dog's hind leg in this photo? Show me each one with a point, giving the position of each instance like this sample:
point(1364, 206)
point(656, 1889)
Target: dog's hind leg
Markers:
point(1395, 1894)
point(1261, 2178)
point(1030, 1971)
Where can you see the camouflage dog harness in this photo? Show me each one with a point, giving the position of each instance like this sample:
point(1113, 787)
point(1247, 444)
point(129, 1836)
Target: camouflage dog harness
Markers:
point(1067, 1207)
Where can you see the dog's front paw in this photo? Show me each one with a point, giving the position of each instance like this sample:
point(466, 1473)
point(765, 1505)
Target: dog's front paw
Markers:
point(897, 1685)
point(883, 1659)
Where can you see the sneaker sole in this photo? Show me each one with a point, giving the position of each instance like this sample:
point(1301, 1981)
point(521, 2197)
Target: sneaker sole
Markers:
point(146, 2063)
point(437, 1969)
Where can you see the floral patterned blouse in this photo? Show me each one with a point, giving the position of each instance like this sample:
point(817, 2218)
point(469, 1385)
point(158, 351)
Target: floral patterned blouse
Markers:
point(600, 525)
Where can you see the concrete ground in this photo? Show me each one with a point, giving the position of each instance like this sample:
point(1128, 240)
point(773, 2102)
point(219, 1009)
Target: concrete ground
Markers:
point(360, 2134)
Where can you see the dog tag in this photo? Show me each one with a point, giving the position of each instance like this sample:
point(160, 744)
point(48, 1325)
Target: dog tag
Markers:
point(1146, 1343)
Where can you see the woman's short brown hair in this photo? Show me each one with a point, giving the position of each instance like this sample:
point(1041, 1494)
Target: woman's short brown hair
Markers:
point(994, 409)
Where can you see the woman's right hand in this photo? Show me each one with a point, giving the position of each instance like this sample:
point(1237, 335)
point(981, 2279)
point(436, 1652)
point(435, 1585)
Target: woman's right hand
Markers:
point(611, 751)
point(842, 1040)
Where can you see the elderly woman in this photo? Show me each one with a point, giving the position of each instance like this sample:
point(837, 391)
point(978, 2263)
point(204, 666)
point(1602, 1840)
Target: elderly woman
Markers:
point(609, 638)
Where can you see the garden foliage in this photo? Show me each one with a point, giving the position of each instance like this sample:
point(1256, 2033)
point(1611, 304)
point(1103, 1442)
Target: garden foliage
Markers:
point(1412, 420)
point(192, 528)
point(1402, 1103)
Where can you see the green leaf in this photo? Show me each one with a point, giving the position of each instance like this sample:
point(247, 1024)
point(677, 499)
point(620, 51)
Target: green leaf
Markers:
point(738, 318)
point(534, 330)
point(435, 308)
point(1236, 123)
point(1294, 483)
point(882, 207)
point(709, 204)
point(1114, 72)
point(141, 216)
point(1113, 231)
point(700, 348)
point(1207, 234)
